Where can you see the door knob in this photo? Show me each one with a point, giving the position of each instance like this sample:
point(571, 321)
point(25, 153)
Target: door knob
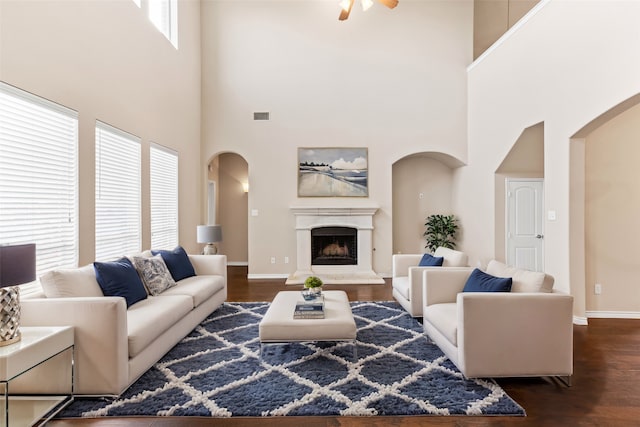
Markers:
point(539, 236)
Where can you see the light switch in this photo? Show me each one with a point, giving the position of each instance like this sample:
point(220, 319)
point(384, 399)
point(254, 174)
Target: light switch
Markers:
point(254, 212)
point(551, 215)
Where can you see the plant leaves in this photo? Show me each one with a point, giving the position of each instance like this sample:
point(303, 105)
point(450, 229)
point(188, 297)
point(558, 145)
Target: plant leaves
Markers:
point(440, 231)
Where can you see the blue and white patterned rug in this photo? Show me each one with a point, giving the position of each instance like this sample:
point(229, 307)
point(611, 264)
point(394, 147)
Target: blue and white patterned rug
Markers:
point(217, 371)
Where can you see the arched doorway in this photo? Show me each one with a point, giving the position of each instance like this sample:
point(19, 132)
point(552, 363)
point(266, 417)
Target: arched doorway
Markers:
point(605, 205)
point(524, 164)
point(422, 184)
point(228, 201)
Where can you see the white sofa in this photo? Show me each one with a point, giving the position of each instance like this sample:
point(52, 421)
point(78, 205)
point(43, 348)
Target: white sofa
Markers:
point(407, 276)
point(522, 333)
point(114, 345)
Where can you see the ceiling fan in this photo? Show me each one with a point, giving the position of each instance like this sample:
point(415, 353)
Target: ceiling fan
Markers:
point(346, 6)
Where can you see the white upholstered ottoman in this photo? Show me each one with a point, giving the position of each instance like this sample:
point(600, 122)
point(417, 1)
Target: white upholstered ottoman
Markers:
point(279, 326)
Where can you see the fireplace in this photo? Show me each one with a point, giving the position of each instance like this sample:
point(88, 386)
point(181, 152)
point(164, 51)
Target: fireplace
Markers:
point(334, 246)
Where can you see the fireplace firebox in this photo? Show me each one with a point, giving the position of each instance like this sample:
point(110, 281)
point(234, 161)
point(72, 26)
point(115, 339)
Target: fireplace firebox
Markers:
point(334, 246)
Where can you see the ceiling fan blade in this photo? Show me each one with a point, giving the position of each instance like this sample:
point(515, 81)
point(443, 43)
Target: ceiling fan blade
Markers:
point(344, 13)
point(389, 3)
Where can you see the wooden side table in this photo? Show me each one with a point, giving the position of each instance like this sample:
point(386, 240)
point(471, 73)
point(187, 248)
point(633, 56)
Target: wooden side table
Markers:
point(38, 345)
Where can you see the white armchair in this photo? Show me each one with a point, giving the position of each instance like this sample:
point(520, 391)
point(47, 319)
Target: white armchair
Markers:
point(500, 334)
point(407, 276)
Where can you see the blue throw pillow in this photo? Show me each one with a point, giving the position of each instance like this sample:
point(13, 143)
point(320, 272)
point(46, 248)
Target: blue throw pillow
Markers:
point(120, 279)
point(479, 281)
point(429, 260)
point(177, 262)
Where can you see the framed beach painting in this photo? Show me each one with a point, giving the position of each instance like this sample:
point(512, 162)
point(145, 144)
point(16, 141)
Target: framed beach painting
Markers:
point(332, 172)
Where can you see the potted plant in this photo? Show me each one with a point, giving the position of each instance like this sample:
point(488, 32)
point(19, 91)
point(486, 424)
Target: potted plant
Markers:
point(313, 284)
point(441, 231)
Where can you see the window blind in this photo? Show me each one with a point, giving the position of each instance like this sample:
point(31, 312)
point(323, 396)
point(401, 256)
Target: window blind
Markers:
point(164, 197)
point(164, 15)
point(118, 193)
point(38, 177)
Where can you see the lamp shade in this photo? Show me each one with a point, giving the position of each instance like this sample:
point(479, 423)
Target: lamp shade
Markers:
point(17, 264)
point(209, 233)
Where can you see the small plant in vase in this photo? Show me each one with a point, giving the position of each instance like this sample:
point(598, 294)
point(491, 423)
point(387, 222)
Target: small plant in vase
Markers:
point(313, 285)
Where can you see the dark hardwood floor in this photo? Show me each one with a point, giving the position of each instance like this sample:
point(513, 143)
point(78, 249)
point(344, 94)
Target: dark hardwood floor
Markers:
point(605, 387)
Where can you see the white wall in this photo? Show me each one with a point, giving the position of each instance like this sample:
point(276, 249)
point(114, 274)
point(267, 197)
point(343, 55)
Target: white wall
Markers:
point(390, 80)
point(107, 61)
point(572, 61)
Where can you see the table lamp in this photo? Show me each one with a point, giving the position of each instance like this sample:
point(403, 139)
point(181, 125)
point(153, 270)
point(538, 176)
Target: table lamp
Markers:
point(210, 234)
point(17, 266)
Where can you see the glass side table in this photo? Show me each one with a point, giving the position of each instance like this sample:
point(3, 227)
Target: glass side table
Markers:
point(38, 345)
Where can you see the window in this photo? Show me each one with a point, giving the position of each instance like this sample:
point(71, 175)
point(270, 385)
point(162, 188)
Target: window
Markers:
point(164, 15)
point(164, 197)
point(118, 192)
point(38, 180)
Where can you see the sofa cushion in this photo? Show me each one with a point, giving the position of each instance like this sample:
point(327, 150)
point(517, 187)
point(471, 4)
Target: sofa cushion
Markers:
point(150, 318)
point(479, 281)
point(429, 260)
point(120, 279)
point(198, 288)
point(154, 274)
point(402, 285)
point(523, 280)
point(443, 317)
point(178, 263)
point(452, 258)
point(71, 282)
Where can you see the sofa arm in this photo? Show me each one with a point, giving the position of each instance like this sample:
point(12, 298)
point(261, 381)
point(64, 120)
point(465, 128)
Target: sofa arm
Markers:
point(402, 262)
point(215, 265)
point(442, 285)
point(100, 336)
point(515, 334)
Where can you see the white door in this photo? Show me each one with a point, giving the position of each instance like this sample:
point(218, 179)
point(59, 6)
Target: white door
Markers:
point(525, 225)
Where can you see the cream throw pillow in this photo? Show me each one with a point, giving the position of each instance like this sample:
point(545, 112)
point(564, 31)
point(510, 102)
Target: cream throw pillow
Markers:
point(452, 258)
point(154, 274)
point(523, 280)
point(72, 282)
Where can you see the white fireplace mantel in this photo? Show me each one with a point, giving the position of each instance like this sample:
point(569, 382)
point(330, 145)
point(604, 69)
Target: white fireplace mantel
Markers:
point(361, 218)
point(333, 211)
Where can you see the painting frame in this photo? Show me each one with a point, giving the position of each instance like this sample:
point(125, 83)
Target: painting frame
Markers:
point(333, 172)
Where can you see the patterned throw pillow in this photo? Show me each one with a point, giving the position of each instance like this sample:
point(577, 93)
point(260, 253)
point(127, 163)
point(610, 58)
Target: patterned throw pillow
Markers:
point(154, 274)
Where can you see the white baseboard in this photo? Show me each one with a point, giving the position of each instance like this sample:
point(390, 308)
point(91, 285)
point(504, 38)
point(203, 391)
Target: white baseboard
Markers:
point(267, 276)
point(613, 314)
point(239, 263)
point(580, 320)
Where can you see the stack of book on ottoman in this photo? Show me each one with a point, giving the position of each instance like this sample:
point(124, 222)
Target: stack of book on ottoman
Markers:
point(309, 310)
